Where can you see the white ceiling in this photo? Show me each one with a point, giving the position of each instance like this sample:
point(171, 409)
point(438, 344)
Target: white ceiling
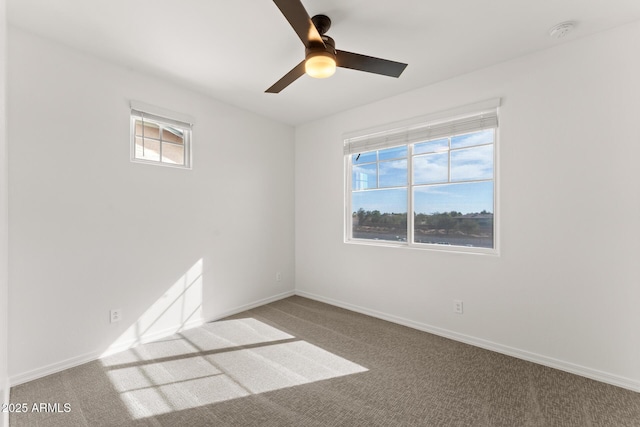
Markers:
point(234, 50)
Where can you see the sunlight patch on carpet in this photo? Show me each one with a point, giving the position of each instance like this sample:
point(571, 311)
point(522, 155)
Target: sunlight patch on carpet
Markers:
point(217, 362)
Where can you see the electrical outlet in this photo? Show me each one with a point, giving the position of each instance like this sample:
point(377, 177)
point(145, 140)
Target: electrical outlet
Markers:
point(278, 277)
point(115, 315)
point(457, 306)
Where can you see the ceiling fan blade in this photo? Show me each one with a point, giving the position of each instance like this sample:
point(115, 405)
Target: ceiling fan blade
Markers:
point(289, 78)
point(355, 61)
point(299, 19)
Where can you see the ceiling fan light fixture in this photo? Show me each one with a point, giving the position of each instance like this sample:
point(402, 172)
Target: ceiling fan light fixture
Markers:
point(321, 57)
point(320, 65)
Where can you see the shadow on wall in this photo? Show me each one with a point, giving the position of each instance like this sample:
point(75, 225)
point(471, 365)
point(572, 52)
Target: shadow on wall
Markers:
point(178, 309)
point(163, 363)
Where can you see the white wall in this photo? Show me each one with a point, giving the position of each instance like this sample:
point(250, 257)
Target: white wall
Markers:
point(91, 231)
point(4, 238)
point(564, 290)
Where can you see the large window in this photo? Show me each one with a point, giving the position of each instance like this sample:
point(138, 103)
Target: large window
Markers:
point(442, 172)
point(160, 140)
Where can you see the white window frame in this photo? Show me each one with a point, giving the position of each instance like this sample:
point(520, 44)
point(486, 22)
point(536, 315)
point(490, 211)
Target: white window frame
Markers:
point(408, 133)
point(165, 119)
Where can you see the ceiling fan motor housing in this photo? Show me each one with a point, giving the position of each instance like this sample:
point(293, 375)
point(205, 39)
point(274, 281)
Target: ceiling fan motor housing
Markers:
point(322, 23)
point(317, 49)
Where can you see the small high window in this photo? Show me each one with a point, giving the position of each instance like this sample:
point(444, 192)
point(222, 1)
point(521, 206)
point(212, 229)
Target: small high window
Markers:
point(160, 140)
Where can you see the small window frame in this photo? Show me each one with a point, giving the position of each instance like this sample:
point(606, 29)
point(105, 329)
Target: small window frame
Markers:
point(165, 124)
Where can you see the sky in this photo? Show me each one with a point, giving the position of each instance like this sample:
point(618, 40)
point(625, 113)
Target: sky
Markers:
point(463, 197)
point(441, 175)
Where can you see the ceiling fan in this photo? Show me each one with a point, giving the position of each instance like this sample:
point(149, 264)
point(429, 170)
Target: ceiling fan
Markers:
point(321, 55)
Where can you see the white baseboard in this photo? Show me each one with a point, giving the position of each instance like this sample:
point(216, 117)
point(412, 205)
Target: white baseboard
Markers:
point(95, 355)
point(551, 362)
point(594, 374)
point(148, 337)
point(53, 368)
point(249, 306)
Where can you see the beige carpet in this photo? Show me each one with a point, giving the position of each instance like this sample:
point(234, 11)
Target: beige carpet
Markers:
point(298, 362)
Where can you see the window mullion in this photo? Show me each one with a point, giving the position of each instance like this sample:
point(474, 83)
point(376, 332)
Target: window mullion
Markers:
point(349, 202)
point(186, 143)
point(160, 132)
point(377, 169)
point(449, 161)
point(410, 215)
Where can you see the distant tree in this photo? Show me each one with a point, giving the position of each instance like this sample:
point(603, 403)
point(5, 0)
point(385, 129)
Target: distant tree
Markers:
point(468, 226)
point(445, 222)
point(361, 216)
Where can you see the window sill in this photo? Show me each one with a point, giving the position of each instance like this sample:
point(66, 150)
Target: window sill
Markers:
point(426, 247)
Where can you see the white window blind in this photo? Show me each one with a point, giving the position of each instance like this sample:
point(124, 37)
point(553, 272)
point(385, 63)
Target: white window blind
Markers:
point(151, 112)
point(152, 117)
point(428, 130)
